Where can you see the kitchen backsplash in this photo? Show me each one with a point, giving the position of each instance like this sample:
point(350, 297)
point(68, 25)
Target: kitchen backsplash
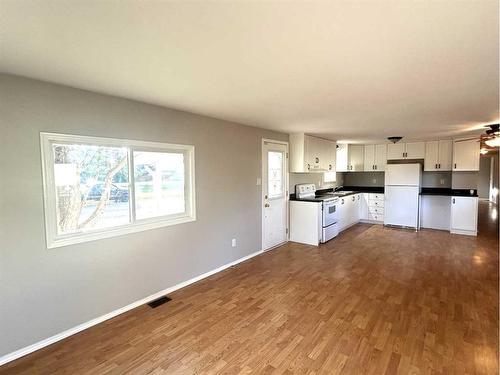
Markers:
point(317, 179)
point(436, 179)
point(364, 179)
point(464, 180)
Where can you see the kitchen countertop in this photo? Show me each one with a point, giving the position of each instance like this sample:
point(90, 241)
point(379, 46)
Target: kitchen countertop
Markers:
point(352, 189)
point(447, 192)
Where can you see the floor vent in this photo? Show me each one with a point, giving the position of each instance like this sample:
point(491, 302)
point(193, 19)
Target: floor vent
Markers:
point(159, 301)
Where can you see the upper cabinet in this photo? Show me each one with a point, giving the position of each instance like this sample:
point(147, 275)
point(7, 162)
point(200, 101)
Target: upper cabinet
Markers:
point(375, 157)
point(438, 155)
point(311, 154)
point(408, 150)
point(350, 158)
point(466, 154)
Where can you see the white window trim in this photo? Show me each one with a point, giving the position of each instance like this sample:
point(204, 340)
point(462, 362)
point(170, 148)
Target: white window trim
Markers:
point(49, 193)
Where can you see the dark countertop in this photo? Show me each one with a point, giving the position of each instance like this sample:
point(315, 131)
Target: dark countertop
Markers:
point(448, 192)
point(354, 189)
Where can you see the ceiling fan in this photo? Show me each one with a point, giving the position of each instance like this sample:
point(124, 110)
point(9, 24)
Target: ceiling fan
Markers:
point(492, 136)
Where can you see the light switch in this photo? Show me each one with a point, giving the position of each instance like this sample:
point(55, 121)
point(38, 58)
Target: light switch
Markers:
point(259, 181)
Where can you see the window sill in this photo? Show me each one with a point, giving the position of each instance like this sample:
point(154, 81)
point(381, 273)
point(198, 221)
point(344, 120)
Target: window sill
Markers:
point(72, 239)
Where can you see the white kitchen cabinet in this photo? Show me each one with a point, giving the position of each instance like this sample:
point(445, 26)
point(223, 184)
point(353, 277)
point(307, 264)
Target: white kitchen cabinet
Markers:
point(464, 215)
point(372, 208)
point(342, 214)
point(311, 154)
point(369, 158)
point(438, 155)
point(350, 158)
point(375, 157)
point(466, 154)
point(395, 151)
point(415, 150)
point(408, 150)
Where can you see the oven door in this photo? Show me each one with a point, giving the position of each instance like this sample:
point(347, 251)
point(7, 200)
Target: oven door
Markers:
point(330, 214)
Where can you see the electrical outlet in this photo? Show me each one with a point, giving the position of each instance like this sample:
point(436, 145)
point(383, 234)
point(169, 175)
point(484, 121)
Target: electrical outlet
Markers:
point(233, 242)
point(259, 181)
point(442, 181)
point(374, 180)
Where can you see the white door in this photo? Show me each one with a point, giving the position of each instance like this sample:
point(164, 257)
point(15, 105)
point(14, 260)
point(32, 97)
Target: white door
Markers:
point(395, 151)
point(369, 160)
point(380, 157)
point(464, 213)
point(274, 194)
point(402, 174)
point(431, 161)
point(342, 160)
point(445, 155)
point(466, 155)
point(415, 150)
point(401, 206)
point(356, 157)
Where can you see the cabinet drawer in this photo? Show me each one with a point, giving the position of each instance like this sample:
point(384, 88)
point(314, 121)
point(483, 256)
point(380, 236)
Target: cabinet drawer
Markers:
point(376, 204)
point(373, 196)
point(376, 210)
point(375, 217)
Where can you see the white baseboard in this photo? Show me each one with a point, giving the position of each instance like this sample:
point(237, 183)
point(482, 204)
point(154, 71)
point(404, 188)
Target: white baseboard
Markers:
point(53, 339)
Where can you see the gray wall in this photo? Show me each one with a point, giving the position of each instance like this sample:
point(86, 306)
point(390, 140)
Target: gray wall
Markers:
point(44, 292)
point(483, 178)
point(464, 180)
point(436, 179)
point(364, 179)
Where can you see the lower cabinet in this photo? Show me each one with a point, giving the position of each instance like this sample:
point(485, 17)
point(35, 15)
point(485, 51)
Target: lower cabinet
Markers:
point(367, 207)
point(463, 218)
point(372, 207)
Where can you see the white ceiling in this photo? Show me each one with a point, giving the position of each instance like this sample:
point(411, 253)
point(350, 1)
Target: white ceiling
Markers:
point(348, 70)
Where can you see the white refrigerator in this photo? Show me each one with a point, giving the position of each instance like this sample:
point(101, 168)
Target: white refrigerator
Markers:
point(402, 190)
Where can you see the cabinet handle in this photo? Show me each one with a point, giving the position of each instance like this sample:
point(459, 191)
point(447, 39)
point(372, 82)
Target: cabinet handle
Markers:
point(453, 200)
point(353, 198)
point(330, 167)
point(308, 166)
point(317, 160)
point(342, 200)
point(376, 167)
point(439, 166)
point(455, 166)
point(436, 166)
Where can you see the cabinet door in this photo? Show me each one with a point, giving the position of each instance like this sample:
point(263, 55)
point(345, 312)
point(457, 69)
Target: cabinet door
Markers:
point(380, 157)
point(332, 151)
point(395, 151)
point(358, 204)
point(342, 159)
point(363, 209)
point(342, 211)
point(369, 158)
point(445, 155)
point(309, 152)
point(431, 160)
point(356, 157)
point(464, 213)
point(415, 150)
point(466, 155)
point(327, 158)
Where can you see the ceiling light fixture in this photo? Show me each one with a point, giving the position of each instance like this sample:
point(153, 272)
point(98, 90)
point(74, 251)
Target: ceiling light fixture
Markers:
point(394, 139)
point(493, 142)
point(483, 151)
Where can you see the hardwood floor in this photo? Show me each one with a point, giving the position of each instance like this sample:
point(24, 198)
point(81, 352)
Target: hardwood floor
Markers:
point(374, 300)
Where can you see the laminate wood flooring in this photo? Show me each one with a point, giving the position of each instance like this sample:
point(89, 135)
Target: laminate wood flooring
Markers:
point(374, 300)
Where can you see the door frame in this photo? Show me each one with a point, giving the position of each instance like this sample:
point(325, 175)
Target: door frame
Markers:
point(287, 193)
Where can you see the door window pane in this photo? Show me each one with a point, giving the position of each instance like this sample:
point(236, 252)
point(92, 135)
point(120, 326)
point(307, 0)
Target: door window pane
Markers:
point(275, 174)
point(92, 187)
point(159, 184)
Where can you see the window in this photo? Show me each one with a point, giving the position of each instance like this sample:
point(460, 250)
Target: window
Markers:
point(102, 187)
point(275, 174)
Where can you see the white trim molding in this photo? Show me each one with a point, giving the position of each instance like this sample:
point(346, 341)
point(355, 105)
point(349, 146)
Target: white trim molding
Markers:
point(69, 332)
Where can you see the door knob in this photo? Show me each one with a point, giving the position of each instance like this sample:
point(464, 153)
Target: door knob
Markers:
point(266, 205)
